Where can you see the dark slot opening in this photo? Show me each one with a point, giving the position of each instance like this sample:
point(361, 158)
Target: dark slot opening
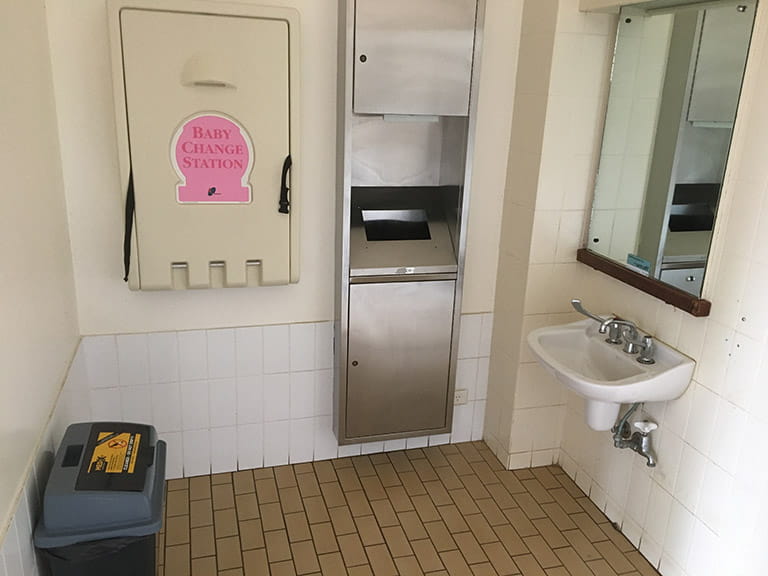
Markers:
point(383, 225)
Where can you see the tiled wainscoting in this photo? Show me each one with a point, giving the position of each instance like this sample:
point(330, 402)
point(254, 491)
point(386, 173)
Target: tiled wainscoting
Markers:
point(225, 400)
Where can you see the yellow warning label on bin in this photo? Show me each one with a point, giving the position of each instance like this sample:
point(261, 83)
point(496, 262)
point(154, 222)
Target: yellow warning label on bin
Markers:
point(115, 453)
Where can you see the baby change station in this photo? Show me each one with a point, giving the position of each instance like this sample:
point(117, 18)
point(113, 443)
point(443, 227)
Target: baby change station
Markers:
point(206, 95)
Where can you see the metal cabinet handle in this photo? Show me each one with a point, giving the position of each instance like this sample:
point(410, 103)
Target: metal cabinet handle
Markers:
point(690, 278)
point(284, 202)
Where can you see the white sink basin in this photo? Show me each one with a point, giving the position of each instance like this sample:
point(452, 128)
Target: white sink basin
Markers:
point(580, 358)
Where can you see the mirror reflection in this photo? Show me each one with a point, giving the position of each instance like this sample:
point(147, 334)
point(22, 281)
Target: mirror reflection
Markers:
point(675, 85)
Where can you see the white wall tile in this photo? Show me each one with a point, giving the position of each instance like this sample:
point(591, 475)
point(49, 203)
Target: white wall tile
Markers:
point(324, 393)
point(249, 350)
point(657, 516)
point(277, 389)
point(221, 353)
point(469, 335)
point(163, 357)
point(223, 402)
point(197, 452)
point(136, 403)
point(486, 333)
point(677, 541)
point(478, 419)
point(325, 441)
point(133, 359)
point(302, 440)
point(466, 376)
point(277, 442)
point(101, 361)
point(728, 433)
point(324, 345)
point(193, 355)
point(349, 450)
point(715, 497)
point(276, 349)
point(701, 421)
point(302, 343)
point(250, 399)
point(417, 442)
point(105, 404)
point(195, 410)
point(223, 449)
point(302, 395)
point(481, 389)
point(392, 445)
point(174, 462)
point(166, 407)
point(439, 439)
point(689, 478)
point(250, 446)
point(371, 447)
point(461, 431)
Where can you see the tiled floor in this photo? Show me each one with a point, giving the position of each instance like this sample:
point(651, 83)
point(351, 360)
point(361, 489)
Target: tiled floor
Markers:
point(447, 510)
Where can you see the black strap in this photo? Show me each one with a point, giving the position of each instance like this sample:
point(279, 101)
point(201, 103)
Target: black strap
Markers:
point(284, 203)
point(130, 207)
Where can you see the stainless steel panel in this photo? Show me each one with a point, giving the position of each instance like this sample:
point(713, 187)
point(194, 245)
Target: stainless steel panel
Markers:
point(399, 357)
point(413, 57)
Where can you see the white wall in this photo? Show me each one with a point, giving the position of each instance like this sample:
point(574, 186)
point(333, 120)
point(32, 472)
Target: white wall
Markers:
point(37, 303)
point(83, 90)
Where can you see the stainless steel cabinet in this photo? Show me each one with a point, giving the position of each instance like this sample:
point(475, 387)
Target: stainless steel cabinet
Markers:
point(399, 356)
point(413, 57)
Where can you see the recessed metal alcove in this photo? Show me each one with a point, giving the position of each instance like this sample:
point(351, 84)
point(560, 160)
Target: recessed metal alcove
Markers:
point(401, 213)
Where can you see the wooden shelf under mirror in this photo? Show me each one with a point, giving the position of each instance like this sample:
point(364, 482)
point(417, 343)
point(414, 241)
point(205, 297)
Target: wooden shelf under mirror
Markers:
point(669, 294)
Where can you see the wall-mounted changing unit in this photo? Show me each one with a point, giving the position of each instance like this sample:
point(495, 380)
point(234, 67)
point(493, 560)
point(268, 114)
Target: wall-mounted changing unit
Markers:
point(408, 76)
point(206, 97)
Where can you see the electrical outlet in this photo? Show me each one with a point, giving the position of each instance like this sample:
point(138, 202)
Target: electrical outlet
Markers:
point(460, 396)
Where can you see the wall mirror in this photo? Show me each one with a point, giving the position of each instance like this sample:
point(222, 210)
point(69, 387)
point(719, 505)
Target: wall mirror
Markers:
point(674, 91)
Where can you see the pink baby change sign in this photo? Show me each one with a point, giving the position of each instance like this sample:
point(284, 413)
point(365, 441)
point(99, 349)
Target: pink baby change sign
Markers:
point(213, 156)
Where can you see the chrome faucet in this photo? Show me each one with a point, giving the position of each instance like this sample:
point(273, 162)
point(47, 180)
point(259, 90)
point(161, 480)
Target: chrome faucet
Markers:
point(639, 441)
point(617, 329)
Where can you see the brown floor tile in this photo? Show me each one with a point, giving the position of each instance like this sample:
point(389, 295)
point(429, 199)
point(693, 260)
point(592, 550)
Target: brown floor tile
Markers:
point(251, 534)
point(408, 566)
point(455, 563)
point(290, 499)
point(177, 560)
point(500, 560)
point(369, 531)
point(278, 548)
point(380, 560)
point(202, 542)
point(324, 538)
point(332, 494)
point(453, 519)
point(385, 514)
point(177, 502)
point(177, 484)
point(427, 556)
point(223, 496)
point(304, 557)
point(266, 491)
point(298, 527)
point(308, 484)
point(316, 510)
point(342, 521)
point(243, 482)
point(528, 565)
point(324, 471)
point(225, 522)
point(444, 511)
point(255, 563)
point(271, 517)
point(332, 564)
point(352, 550)
point(204, 566)
point(440, 536)
point(177, 530)
point(399, 499)
point(200, 513)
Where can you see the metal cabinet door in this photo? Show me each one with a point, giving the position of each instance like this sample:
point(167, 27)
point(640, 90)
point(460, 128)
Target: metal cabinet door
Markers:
point(413, 57)
point(399, 357)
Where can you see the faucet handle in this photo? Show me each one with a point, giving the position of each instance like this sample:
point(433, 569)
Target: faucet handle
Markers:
point(645, 427)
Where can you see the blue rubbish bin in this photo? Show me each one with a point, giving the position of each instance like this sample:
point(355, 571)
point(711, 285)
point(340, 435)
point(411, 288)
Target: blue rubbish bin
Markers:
point(103, 504)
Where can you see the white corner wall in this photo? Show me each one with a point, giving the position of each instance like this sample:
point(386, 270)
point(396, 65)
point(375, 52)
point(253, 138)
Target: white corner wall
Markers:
point(37, 302)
